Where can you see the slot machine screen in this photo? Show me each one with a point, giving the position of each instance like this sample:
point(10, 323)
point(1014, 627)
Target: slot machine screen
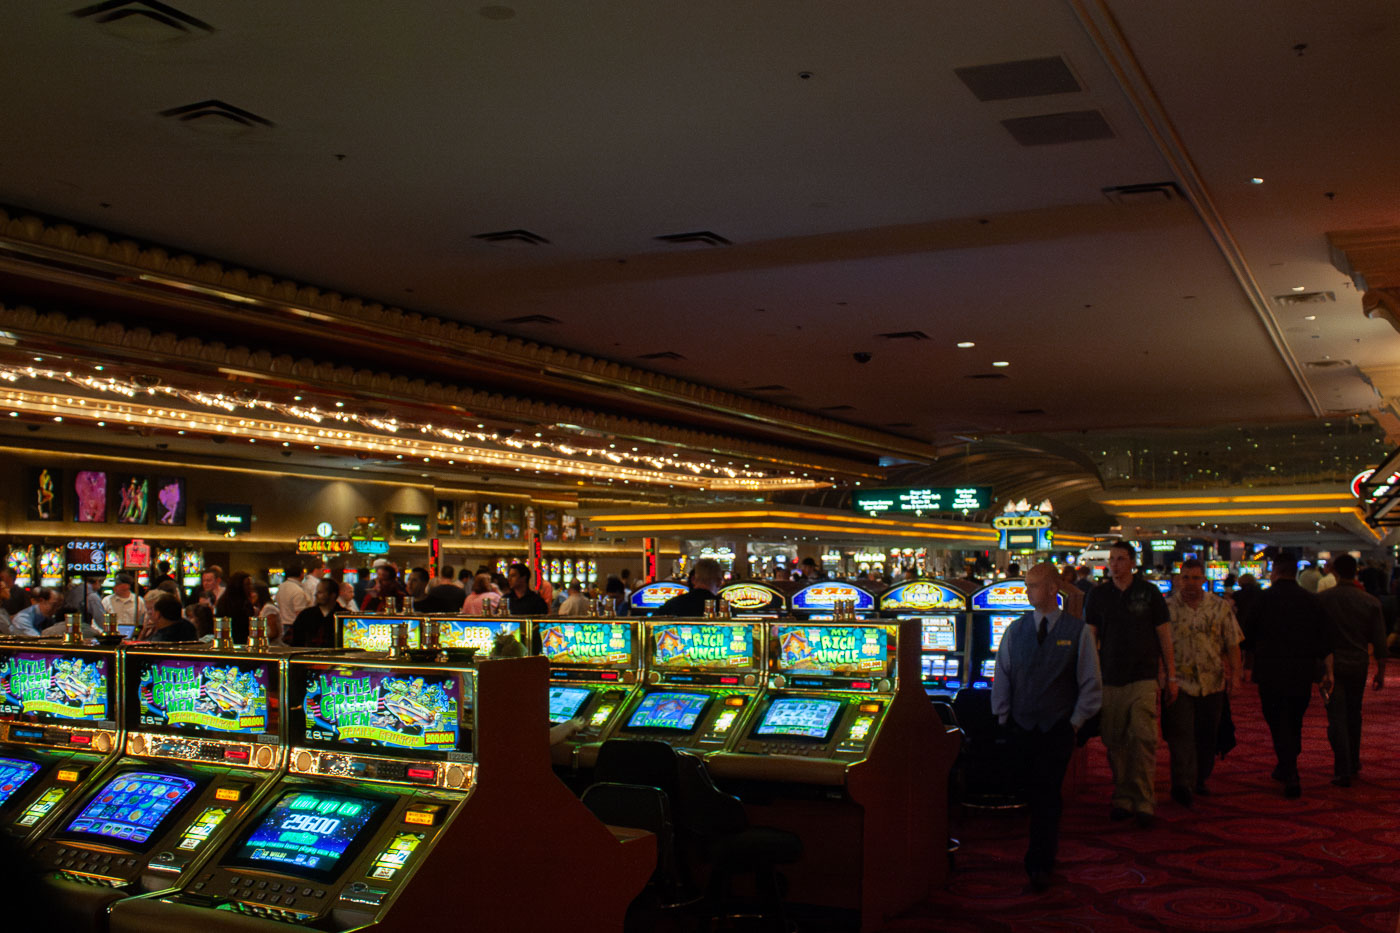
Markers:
point(564, 702)
point(685, 645)
point(999, 625)
point(832, 649)
point(600, 644)
point(989, 668)
point(53, 687)
point(14, 774)
point(309, 833)
point(207, 697)
point(804, 717)
point(374, 633)
point(939, 633)
point(131, 807)
point(670, 711)
point(378, 709)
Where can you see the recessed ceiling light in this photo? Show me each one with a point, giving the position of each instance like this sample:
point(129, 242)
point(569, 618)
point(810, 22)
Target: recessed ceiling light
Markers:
point(1256, 181)
point(1001, 363)
point(966, 344)
point(1310, 317)
point(1300, 288)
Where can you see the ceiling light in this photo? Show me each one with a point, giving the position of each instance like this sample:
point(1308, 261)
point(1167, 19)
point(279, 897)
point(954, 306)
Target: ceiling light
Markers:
point(1310, 317)
point(1001, 363)
point(1300, 288)
point(1256, 181)
point(966, 345)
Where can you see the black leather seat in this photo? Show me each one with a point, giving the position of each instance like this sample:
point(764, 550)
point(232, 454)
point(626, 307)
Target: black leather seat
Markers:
point(648, 808)
point(988, 773)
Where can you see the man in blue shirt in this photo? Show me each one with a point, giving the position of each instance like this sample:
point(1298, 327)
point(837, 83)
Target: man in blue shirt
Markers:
point(1046, 686)
point(28, 623)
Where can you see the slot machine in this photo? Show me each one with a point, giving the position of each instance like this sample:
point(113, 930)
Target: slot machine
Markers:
point(592, 571)
point(20, 559)
point(754, 599)
point(556, 571)
point(51, 567)
point(1163, 586)
point(374, 632)
point(417, 794)
point(594, 673)
point(115, 564)
point(703, 678)
point(59, 728)
point(994, 607)
point(191, 568)
point(479, 634)
point(649, 597)
point(817, 601)
point(941, 612)
point(842, 751)
point(1216, 572)
point(204, 740)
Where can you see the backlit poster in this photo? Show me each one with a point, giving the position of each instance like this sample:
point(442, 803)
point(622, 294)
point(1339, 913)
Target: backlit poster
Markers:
point(490, 520)
point(467, 519)
point(446, 518)
point(131, 498)
point(168, 495)
point(44, 495)
point(512, 522)
point(91, 489)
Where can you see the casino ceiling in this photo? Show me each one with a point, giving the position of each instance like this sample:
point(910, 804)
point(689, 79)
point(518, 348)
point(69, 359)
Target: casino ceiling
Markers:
point(714, 249)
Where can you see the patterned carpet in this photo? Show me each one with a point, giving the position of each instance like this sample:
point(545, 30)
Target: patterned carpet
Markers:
point(1242, 859)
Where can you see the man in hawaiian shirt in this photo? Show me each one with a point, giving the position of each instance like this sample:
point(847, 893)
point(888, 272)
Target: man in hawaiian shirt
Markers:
point(1206, 642)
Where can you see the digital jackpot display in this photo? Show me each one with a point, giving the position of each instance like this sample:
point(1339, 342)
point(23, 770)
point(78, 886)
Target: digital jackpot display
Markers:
point(55, 687)
point(685, 645)
point(587, 642)
point(999, 626)
point(211, 696)
point(309, 832)
point(564, 702)
point(832, 649)
point(132, 806)
point(939, 633)
point(805, 717)
point(14, 774)
point(664, 710)
point(374, 633)
point(381, 708)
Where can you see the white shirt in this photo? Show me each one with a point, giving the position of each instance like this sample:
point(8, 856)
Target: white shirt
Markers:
point(310, 583)
point(125, 609)
point(291, 599)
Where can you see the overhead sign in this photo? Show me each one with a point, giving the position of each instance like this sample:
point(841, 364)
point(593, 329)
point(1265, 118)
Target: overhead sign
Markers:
point(136, 554)
point(409, 526)
point(87, 558)
point(913, 499)
point(312, 544)
point(228, 517)
point(1360, 478)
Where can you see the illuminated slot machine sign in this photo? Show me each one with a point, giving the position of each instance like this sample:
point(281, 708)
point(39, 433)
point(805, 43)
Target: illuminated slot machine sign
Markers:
point(588, 644)
point(203, 696)
point(941, 611)
point(1163, 586)
point(846, 652)
point(994, 608)
point(751, 598)
point(375, 633)
point(51, 567)
point(818, 601)
point(57, 687)
point(646, 599)
point(481, 634)
point(20, 559)
point(379, 710)
point(191, 567)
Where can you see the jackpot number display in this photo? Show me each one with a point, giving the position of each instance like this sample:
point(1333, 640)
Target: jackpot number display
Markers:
point(308, 832)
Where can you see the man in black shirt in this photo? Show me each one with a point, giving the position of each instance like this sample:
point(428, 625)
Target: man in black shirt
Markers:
point(167, 618)
point(705, 580)
point(1288, 629)
point(314, 626)
point(1132, 624)
point(520, 599)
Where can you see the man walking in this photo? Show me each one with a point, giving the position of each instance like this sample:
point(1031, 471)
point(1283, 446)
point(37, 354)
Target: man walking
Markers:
point(1046, 686)
point(1133, 628)
point(1355, 623)
point(1206, 643)
point(1288, 630)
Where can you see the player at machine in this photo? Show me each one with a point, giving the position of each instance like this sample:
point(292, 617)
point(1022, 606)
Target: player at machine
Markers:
point(202, 741)
point(389, 791)
point(594, 674)
point(59, 728)
point(703, 679)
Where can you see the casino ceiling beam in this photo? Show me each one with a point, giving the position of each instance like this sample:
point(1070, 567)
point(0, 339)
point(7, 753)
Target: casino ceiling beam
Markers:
point(55, 265)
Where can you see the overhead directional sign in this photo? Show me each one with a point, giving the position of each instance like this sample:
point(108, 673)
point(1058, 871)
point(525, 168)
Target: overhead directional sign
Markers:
point(912, 499)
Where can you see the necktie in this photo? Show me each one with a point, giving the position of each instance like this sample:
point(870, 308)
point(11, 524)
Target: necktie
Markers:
point(1040, 634)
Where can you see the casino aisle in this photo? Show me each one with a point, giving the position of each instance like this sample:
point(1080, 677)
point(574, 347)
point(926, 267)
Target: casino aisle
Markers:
point(1243, 859)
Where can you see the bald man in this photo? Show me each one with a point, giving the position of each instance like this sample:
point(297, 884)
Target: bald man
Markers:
point(1046, 686)
point(705, 582)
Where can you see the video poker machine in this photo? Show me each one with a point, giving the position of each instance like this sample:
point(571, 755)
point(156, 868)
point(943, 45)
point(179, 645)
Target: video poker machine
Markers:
point(384, 817)
point(994, 607)
point(60, 728)
point(754, 599)
point(842, 751)
point(204, 740)
point(594, 673)
point(703, 678)
point(941, 612)
point(649, 597)
point(818, 601)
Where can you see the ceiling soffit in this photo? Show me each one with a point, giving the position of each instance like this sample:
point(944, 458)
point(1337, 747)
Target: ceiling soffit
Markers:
point(104, 269)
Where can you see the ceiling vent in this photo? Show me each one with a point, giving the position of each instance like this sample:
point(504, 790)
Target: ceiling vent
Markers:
point(217, 118)
point(1052, 129)
point(532, 319)
point(1031, 77)
point(986, 376)
point(1157, 192)
point(145, 21)
point(838, 408)
point(1305, 298)
point(511, 238)
point(663, 355)
point(773, 388)
point(905, 335)
point(1327, 364)
point(695, 238)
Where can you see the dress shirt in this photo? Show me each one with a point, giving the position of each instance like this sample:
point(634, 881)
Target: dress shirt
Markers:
point(1086, 669)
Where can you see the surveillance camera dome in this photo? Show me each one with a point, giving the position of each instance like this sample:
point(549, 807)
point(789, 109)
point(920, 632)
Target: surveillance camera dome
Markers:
point(861, 357)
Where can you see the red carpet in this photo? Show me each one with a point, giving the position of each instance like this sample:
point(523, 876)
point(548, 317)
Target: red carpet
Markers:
point(1242, 859)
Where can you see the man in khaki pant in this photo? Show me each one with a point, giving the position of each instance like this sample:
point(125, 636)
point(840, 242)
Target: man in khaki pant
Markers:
point(1130, 619)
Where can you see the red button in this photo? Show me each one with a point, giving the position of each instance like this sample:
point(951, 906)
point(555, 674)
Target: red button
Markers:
point(729, 680)
point(237, 754)
point(609, 675)
point(422, 774)
point(80, 738)
point(861, 684)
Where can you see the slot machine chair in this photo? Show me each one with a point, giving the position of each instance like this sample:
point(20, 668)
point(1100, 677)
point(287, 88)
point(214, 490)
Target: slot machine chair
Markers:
point(709, 824)
point(986, 769)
